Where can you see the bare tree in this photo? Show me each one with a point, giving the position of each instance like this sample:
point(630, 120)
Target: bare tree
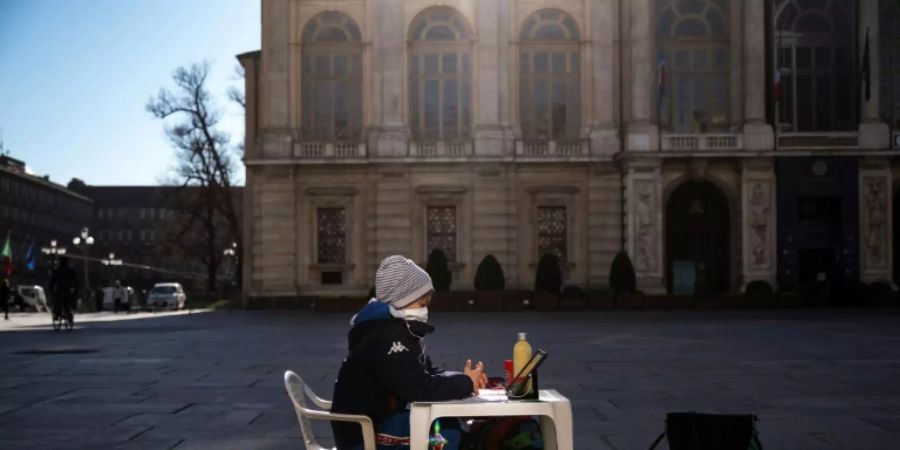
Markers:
point(208, 219)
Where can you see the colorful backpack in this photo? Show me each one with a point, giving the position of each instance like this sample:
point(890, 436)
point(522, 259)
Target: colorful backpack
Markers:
point(506, 433)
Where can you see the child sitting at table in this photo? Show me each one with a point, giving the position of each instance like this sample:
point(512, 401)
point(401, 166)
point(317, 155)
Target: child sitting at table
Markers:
point(386, 367)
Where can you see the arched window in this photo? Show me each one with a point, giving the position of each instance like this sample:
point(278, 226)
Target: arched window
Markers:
point(440, 74)
point(889, 25)
point(815, 56)
point(692, 60)
point(549, 77)
point(331, 73)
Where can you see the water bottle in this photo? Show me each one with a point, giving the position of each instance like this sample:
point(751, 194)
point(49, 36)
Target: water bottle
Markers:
point(521, 356)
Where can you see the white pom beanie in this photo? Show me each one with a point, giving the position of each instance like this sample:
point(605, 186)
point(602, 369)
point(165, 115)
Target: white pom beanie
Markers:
point(399, 282)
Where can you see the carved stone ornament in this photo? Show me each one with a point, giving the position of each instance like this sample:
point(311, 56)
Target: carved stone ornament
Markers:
point(875, 221)
point(760, 214)
point(645, 226)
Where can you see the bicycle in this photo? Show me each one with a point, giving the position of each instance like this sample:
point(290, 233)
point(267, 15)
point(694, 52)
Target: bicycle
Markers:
point(63, 320)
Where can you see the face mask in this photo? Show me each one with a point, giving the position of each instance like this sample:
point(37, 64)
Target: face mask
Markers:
point(419, 314)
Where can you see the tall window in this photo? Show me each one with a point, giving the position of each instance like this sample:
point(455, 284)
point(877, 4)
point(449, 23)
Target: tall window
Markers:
point(440, 74)
point(549, 77)
point(551, 227)
point(692, 60)
point(441, 226)
point(331, 72)
point(890, 62)
point(331, 235)
point(815, 57)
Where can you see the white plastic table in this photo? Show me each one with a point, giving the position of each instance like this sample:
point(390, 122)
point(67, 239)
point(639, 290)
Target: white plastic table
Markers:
point(554, 411)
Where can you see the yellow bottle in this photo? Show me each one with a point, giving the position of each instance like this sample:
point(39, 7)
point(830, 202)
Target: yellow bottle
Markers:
point(521, 356)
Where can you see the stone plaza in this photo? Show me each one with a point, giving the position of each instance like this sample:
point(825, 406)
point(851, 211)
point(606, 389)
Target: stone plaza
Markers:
point(817, 379)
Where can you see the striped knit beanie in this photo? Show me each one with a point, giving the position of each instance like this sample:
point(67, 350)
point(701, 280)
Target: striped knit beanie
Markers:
point(399, 282)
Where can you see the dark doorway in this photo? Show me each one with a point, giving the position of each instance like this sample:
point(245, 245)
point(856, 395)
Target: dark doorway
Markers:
point(697, 225)
point(896, 231)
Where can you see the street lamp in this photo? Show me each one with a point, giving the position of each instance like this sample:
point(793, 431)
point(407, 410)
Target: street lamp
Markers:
point(83, 241)
point(231, 252)
point(111, 261)
point(53, 251)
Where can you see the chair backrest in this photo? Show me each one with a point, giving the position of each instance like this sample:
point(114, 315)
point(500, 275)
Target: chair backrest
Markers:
point(298, 390)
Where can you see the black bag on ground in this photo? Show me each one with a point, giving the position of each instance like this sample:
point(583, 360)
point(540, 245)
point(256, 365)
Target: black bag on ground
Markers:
point(694, 431)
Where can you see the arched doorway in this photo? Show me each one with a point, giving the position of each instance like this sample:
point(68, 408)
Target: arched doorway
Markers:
point(697, 244)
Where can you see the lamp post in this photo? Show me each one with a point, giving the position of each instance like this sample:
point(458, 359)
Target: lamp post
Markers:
point(83, 241)
point(232, 254)
point(54, 252)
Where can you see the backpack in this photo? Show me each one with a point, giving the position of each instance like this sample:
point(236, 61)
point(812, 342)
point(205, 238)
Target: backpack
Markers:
point(694, 431)
point(504, 433)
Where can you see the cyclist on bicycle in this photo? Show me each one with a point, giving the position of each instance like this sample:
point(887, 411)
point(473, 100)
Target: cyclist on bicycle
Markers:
point(64, 288)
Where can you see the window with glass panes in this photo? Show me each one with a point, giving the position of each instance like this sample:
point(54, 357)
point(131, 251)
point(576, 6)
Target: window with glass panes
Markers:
point(889, 91)
point(331, 235)
point(331, 74)
point(440, 74)
point(550, 77)
point(441, 230)
point(816, 63)
point(551, 231)
point(692, 60)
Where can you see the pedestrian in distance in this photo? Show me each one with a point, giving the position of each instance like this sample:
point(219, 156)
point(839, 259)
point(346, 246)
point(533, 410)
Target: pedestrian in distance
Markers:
point(4, 297)
point(387, 367)
point(118, 292)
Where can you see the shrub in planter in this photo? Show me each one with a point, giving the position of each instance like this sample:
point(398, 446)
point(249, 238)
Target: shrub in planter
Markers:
point(489, 284)
point(881, 293)
point(548, 277)
point(573, 298)
point(438, 270)
point(489, 275)
point(759, 293)
point(622, 280)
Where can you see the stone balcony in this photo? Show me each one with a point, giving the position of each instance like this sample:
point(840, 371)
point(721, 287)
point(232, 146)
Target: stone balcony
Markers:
point(441, 149)
point(329, 150)
point(701, 142)
point(544, 149)
point(817, 140)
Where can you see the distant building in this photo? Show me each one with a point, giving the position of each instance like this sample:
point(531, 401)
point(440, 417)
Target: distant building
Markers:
point(34, 211)
point(134, 223)
point(718, 142)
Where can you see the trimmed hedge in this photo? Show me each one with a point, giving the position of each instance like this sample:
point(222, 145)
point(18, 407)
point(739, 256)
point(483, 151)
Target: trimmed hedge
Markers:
point(439, 271)
point(489, 275)
point(548, 277)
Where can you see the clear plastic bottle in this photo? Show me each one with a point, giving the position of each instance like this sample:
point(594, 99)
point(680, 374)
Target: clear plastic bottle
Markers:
point(521, 356)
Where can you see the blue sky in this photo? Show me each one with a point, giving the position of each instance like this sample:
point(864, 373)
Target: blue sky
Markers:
point(75, 76)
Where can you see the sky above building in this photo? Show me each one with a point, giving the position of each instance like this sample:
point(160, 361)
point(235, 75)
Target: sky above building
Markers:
point(76, 75)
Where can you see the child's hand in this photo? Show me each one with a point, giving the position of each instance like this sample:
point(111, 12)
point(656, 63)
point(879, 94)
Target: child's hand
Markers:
point(479, 378)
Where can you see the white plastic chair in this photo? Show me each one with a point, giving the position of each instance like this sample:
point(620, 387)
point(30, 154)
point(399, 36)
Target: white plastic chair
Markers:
point(296, 390)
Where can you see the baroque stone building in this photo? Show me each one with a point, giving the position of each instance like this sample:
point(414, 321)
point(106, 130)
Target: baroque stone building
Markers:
point(716, 141)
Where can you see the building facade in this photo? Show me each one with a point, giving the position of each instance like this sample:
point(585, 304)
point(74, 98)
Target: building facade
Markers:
point(33, 212)
point(716, 141)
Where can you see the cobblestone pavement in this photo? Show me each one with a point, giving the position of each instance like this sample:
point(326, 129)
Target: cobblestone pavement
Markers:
point(817, 379)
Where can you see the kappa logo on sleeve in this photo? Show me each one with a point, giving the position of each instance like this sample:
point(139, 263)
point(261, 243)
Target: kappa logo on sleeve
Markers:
point(397, 347)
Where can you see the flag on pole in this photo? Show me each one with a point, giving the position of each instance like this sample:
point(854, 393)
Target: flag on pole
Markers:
point(867, 69)
point(30, 258)
point(7, 254)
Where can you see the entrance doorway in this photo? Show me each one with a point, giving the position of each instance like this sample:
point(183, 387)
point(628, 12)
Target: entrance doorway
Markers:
point(697, 239)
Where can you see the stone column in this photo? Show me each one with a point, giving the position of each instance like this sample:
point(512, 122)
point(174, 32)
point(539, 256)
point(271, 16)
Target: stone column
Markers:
point(274, 108)
point(604, 32)
point(488, 133)
point(644, 228)
point(873, 134)
point(758, 196)
point(758, 134)
point(389, 134)
point(875, 221)
point(643, 133)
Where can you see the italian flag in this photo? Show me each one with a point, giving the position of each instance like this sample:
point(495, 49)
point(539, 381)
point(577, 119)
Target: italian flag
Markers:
point(7, 254)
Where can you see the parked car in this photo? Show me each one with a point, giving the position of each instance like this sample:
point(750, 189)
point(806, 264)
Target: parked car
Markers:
point(33, 297)
point(167, 295)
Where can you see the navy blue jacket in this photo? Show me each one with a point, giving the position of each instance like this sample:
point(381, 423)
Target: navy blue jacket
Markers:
point(385, 369)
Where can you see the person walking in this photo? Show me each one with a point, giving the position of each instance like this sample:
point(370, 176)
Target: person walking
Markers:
point(98, 299)
point(118, 295)
point(4, 297)
point(64, 288)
